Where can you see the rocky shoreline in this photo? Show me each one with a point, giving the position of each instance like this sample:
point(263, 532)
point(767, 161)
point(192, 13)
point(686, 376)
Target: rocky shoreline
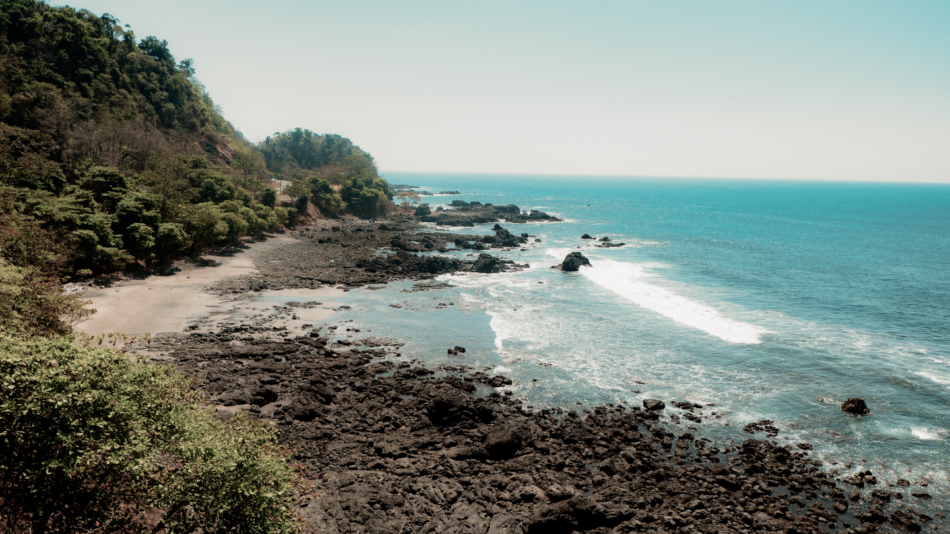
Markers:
point(398, 447)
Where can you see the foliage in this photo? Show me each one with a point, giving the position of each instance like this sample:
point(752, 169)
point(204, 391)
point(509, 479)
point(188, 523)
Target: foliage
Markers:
point(169, 240)
point(89, 438)
point(269, 198)
point(34, 303)
point(113, 149)
point(321, 160)
point(408, 198)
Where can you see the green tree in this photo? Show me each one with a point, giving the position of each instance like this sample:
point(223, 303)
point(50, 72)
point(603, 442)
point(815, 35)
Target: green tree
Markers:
point(204, 226)
point(236, 225)
point(170, 239)
point(270, 198)
point(140, 241)
point(296, 189)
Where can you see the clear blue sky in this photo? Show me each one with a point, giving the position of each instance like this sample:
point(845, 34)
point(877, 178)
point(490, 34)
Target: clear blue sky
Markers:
point(848, 90)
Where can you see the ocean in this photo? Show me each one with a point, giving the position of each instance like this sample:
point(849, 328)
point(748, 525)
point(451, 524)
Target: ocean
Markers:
point(767, 299)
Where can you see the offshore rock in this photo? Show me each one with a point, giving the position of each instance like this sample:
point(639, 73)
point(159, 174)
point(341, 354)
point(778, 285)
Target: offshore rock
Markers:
point(486, 263)
point(652, 405)
point(855, 406)
point(573, 262)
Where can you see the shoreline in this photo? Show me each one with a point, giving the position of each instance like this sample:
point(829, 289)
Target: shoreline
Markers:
point(446, 431)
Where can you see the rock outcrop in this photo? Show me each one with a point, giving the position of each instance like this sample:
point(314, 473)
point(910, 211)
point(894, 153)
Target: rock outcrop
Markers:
point(855, 406)
point(472, 213)
point(573, 262)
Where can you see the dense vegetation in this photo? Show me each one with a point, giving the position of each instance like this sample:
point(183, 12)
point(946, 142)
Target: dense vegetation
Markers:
point(92, 441)
point(112, 155)
point(330, 169)
point(115, 150)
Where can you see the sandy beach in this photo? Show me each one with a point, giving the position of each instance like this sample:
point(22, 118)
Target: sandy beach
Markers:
point(171, 303)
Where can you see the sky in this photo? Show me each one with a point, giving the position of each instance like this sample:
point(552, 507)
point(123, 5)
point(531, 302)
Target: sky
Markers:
point(844, 90)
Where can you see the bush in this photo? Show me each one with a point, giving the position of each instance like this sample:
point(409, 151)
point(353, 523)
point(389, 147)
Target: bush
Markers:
point(269, 198)
point(236, 225)
point(301, 205)
point(169, 240)
point(89, 438)
point(140, 241)
point(34, 303)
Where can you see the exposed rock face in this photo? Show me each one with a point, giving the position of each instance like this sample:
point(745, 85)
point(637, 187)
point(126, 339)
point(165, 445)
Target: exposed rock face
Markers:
point(855, 406)
point(573, 262)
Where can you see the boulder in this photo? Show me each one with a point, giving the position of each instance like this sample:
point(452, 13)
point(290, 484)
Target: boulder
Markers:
point(855, 406)
point(605, 239)
point(573, 262)
point(422, 211)
point(486, 263)
point(506, 441)
point(575, 514)
point(451, 409)
point(653, 405)
point(586, 236)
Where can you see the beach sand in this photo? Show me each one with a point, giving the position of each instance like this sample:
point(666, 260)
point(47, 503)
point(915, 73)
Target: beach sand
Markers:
point(170, 303)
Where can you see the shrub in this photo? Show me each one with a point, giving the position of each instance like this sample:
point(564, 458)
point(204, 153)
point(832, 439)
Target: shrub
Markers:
point(89, 438)
point(169, 240)
point(32, 302)
point(140, 241)
point(301, 205)
point(236, 225)
point(269, 198)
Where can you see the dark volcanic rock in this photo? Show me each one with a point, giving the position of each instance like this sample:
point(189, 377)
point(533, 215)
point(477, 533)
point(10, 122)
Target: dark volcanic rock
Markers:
point(422, 211)
point(855, 406)
point(506, 441)
point(653, 405)
point(573, 262)
point(586, 236)
point(576, 514)
point(486, 263)
point(391, 447)
point(471, 213)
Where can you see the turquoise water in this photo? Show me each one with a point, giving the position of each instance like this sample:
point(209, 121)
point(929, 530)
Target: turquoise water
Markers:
point(758, 296)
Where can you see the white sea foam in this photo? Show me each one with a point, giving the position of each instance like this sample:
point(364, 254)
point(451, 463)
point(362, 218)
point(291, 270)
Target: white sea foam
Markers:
point(627, 280)
point(926, 433)
point(933, 377)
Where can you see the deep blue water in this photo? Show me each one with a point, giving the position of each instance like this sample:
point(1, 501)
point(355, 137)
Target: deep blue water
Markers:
point(758, 296)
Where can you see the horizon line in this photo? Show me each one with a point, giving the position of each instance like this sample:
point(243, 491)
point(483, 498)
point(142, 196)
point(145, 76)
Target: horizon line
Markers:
point(571, 175)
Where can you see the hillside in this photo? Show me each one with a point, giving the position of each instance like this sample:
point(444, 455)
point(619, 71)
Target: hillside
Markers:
point(112, 153)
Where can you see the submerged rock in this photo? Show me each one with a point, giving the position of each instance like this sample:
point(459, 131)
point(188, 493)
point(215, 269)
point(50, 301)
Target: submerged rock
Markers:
point(855, 406)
